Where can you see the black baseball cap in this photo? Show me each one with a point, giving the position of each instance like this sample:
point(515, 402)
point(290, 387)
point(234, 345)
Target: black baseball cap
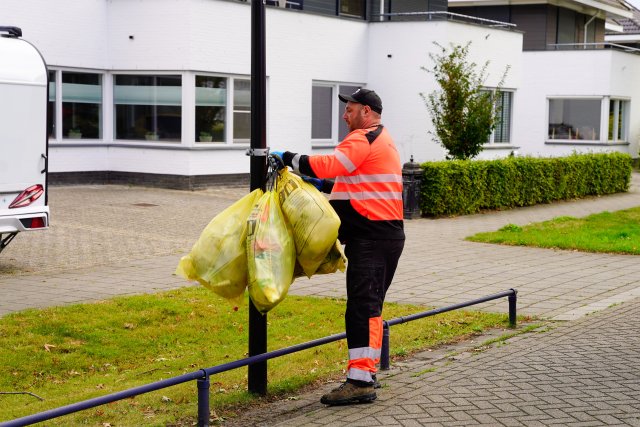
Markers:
point(364, 97)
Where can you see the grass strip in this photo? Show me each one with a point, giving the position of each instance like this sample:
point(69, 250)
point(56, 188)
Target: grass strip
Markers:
point(72, 353)
point(611, 232)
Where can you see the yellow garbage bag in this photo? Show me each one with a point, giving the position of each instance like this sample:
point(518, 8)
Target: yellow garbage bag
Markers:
point(313, 221)
point(334, 261)
point(271, 253)
point(218, 259)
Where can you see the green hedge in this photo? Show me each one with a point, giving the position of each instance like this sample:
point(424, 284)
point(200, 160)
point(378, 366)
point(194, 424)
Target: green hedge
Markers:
point(460, 187)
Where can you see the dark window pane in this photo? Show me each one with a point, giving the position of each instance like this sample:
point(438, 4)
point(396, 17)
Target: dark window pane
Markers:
point(621, 112)
point(145, 80)
point(321, 112)
point(81, 120)
point(241, 109)
point(210, 124)
point(81, 105)
point(150, 122)
point(503, 126)
point(81, 78)
point(241, 125)
point(211, 100)
point(574, 119)
point(352, 8)
point(612, 118)
point(51, 105)
point(148, 107)
point(566, 26)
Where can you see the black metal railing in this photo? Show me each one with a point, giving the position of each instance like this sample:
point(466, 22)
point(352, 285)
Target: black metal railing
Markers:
point(440, 16)
point(202, 375)
point(592, 46)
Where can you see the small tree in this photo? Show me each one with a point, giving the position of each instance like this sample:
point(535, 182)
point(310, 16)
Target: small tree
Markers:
point(462, 113)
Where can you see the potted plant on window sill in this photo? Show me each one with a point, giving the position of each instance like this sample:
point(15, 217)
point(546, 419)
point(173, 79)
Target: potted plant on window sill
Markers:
point(206, 137)
point(75, 134)
point(151, 136)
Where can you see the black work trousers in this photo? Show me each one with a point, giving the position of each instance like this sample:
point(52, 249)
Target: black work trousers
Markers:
point(370, 269)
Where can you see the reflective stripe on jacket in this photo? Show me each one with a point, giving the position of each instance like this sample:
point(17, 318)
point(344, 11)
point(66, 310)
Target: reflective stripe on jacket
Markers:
point(368, 173)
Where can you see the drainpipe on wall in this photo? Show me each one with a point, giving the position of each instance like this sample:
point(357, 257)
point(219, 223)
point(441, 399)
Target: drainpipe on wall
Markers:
point(585, 30)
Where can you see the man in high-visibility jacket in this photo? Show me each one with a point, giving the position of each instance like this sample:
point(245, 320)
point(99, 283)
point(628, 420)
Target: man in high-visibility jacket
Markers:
point(367, 195)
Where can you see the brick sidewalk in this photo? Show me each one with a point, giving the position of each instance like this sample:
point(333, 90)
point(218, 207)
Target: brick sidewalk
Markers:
point(581, 373)
point(112, 240)
point(116, 240)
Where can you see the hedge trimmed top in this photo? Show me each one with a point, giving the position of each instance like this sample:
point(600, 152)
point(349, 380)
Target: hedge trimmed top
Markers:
point(461, 187)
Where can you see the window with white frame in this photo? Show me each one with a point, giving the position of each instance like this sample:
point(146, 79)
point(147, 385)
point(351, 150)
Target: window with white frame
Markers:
point(241, 110)
point(618, 110)
point(574, 119)
point(219, 112)
point(326, 111)
point(148, 107)
point(81, 105)
point(211, 108)
point(502, 131)
point(583, 119)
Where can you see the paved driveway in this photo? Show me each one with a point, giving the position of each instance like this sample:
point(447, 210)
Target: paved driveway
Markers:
point(112, 240)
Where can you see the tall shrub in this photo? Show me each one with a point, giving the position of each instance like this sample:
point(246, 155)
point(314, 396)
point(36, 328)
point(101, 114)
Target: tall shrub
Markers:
point(462, 111)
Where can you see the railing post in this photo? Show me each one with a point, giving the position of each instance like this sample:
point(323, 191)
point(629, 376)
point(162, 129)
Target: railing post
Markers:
point(203, 401)
point(384, 351)
point(513, 298)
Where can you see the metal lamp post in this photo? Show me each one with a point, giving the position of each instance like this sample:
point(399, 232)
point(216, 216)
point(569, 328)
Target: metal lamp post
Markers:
point(258, 168)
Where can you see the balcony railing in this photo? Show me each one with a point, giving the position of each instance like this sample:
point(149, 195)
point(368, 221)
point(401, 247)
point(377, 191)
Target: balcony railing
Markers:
point(592, 46)
point(440, 15)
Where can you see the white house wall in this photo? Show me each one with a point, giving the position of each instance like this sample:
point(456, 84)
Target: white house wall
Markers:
point(302, 48)
point(399, 50)
point(567, 74)
point(198, 36)
point(67, 32)
point(213, 36)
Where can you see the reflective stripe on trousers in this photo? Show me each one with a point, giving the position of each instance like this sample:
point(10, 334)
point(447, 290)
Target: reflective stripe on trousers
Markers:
point(362, 360)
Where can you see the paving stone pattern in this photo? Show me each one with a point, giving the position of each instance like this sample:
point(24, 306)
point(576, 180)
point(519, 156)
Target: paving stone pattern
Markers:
point(116, 240)
point(581, 373)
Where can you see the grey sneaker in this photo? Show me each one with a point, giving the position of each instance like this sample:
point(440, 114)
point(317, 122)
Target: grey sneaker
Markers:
point(348, 393)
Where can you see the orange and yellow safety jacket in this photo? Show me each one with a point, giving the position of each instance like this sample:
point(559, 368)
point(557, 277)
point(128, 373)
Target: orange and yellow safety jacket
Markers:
point(367, 192)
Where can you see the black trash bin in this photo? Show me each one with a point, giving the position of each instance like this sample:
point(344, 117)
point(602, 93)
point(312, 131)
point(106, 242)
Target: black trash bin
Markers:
point(411, 183)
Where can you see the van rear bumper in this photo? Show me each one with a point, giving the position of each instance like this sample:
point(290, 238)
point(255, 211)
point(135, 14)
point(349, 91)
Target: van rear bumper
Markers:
point(11, 222)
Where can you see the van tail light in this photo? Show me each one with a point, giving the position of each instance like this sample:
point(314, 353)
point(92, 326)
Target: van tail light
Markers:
point(27, 197)
point(37, 222)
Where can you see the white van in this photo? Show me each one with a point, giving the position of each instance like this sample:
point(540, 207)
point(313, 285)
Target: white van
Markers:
point(23, 137)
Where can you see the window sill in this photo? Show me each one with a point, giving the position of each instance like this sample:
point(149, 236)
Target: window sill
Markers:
point(169, 145)
point(500, 146)
point(323, 145)
point(583, 142)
